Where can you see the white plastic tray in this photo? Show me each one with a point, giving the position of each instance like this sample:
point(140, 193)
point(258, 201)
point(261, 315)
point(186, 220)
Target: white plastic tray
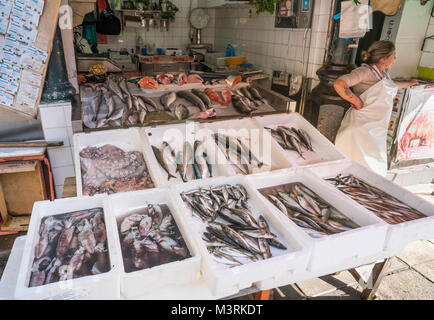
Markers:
point(399, 235)
point(325, 151)
point(253, 136)
point(225, 281)
point(353, 245)
point(176, 135)
point(101, 286)
point(126, 139)
point(145, 281)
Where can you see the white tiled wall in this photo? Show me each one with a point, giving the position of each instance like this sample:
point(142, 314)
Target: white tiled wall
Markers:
point(56, 125)
point(273, 48)
point(177, 36)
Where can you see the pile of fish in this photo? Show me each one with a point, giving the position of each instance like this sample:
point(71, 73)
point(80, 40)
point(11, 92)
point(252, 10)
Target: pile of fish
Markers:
point(246, 100)
point(241, 157)
point(307, 210)
point(121, 108)
point(70, 245)
point(191, 162)
point(292, 139)
point(109, 169)
point(233, 235)
point(150, 237)
point(379, 202)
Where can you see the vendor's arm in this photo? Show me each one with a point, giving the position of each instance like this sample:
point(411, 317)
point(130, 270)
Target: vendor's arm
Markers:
point(343, 83)
point(406, 84)
point(343, 89)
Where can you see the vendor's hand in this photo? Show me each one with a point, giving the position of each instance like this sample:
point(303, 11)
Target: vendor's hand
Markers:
point(413, 82)
point(358, 105)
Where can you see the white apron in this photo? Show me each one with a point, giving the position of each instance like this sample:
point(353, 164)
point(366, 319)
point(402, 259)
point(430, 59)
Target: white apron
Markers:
point(363, 133)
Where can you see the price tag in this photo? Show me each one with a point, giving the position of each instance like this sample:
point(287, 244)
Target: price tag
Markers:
point(6, 99)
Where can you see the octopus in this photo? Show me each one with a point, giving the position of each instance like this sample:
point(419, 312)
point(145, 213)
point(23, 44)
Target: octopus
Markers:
point(109, 169)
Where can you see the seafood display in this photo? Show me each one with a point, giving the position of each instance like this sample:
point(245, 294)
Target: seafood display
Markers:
point(233, 236)
point(70, 245)
point(150, 237)
point(307, 210)
point(191, 162)
point(109, 169)
point(241, 157)
point(292, 139)
point(377, 201)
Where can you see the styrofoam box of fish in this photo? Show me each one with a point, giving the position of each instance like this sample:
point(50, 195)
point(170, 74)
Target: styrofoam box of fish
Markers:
point(126, 139)
point(138, 282)
point(333, 249)
point(223, 280)
point(254, 137)
point(323, 150)
point(399, 235)
point(105, 285)
point(175, 135)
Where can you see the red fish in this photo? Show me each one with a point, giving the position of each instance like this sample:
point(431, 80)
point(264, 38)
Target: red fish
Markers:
point(147, 82)
point(182, 79)
point(204, 115)
point(194, 78)
point(232, 81)
point(214, 96)
point(227, 97)
point(165, 78)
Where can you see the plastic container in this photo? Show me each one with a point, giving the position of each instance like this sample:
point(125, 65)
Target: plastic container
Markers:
point(398, 235)
point(126, 139)
point(325, 151)
point(174, 273)
point(101, 286)
point(175, 135)
point(336, 249)
point(223, 280)
point(234, 61)
point(253, 136)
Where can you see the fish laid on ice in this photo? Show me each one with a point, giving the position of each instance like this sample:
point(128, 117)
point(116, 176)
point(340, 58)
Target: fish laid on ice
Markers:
point(227, 97)
point(204, 115)
point(167, 99)
point(165, 78)
point(181, 112)
point(202, 96)
point(113, 85)
point(214, 96)
point(194, 78)
point(181, 79)
point(162, 161)
point(195, 100)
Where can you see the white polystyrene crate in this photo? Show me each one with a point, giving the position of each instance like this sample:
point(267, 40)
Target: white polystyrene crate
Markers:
point(174, 273)
point(325, 151)
point(176, 135)
point(102, 286)
point(224, 281)
point(399, 235)
point(256, 138)
point(353, 245)
point(126, 139)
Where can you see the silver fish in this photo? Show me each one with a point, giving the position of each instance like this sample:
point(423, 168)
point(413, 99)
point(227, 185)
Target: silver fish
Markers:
point(195, 100)
point(123, 84)
point(167, 99)
point(113, 85)
point(110, 102)
point(200, 154)
point(162, 161)
point(181, 112)
point(96, 103)
point(206, 100)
